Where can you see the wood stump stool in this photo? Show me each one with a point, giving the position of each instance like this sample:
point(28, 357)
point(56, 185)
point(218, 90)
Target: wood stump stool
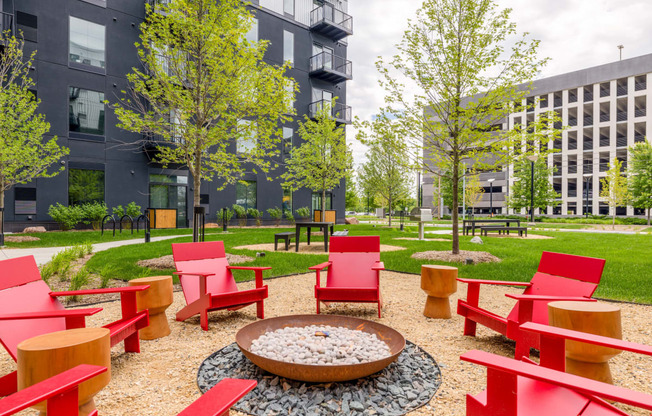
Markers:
point(156, 299)
point(582, 359)
point(47, 355)
point(439, 282)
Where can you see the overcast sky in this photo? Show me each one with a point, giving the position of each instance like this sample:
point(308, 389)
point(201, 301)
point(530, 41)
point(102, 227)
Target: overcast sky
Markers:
point(575, 34)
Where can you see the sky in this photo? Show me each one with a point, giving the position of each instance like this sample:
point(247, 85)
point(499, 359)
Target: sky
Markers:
point(574, 34)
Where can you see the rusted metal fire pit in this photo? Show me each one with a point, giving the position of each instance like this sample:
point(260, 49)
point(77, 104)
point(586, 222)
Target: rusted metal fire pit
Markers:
point(319, 373)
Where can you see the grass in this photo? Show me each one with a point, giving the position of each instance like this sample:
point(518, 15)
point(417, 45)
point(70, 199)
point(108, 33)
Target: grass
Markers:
point(626, 276)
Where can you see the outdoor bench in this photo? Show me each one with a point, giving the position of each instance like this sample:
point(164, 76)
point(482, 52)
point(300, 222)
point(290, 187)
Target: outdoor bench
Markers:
point(501, 228)
point(343, 233)
point(286, 236)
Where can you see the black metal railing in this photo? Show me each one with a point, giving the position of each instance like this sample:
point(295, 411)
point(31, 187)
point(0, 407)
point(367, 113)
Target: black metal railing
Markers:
point(572, 121)
point(639, 112)
point(640, 86)
point(604, 117)
point(588, 120)
point(621, 116)
point(572, 98)
point(621, 90)
point(604, 141)
point(340, 112)
point(639, 138)
point(328, 13)
point(328, 61)
point(588, 96)
point(621, 141)
point(604, 92)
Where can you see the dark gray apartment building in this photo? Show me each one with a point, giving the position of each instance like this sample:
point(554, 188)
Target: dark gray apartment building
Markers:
point(85, 48)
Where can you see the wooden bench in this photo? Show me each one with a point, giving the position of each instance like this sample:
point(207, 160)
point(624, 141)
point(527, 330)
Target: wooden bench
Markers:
point(501, 228)
point(342, 233)
point(286, 236)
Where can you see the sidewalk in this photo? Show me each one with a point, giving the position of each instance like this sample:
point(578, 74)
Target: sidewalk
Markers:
point(45, 254)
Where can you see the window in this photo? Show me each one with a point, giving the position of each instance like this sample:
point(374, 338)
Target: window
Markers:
point(170, 191)
point(245, 194)
point(288, 7)
point(24, 201)
point(288, 132)
point(290, 98)
point(86, 111)
point(288, 46)
point(246, 140)
point(316, 201)
point(87, 43)
point(85, 185)
point(176, 126)
point(287, 200)
point(252, 34)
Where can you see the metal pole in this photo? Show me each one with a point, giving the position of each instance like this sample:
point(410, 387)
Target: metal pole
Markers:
point(532, 192)
point(491, 199)
point(223, 219)
point(2, 227)
point(463, 198)
point(586, 204)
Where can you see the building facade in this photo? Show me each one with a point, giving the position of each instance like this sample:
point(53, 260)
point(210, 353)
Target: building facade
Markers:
point(85, 48)
point(605, 111)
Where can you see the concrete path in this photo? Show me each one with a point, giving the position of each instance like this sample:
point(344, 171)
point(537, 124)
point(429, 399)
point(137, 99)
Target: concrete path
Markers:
point(45, 254)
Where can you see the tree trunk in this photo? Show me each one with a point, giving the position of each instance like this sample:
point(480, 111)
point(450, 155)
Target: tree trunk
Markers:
point(454, 215)
point(389, 202)
point(323, 205)
point(2, 218)
point(196, 197)
point(648, 216)
point(613, 220)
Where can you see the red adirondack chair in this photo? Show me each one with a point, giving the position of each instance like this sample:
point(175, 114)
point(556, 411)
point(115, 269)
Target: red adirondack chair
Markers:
point(527, 389)
point(353, 272)
point(208, 284)
point(62, 397)
point(559, 277)
point(28, 308)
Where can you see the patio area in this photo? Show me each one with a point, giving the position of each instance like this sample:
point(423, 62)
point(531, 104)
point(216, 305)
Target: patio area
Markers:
point(162, 379)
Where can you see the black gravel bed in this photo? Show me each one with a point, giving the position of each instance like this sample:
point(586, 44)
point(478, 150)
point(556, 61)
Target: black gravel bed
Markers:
point(405, 385)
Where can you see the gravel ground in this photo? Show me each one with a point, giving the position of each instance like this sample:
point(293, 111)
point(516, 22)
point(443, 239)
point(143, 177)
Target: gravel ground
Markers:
point(161, 380)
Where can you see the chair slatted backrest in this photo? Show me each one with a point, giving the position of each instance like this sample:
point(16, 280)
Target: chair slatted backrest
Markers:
point(562, 275)
point(352, 259)
point(206, 257)
point(22, 290)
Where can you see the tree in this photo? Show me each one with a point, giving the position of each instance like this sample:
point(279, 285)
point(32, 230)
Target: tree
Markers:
point(322, 160)
point(471, 191)
point(614, 188)
point(367, 192)
point(520, 194)
point(387, 169)
point(454, 54)
point(640, 177)
point(24, 153)
point(204, 89)
point(352, 200)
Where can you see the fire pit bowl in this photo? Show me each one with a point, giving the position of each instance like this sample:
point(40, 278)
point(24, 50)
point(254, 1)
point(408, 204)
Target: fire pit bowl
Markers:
point(319, 373)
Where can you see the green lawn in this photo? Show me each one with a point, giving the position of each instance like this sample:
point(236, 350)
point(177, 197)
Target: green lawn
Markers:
point(627, 274)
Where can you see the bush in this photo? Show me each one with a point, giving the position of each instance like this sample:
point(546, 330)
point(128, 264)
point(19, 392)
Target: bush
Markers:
point(258, 215)
point(133, 210)
point(93, 212)
point(303, 212)
point(66, 217)
point(220, 216)
point(276, 213)
point(289, 216)
point(241, 213)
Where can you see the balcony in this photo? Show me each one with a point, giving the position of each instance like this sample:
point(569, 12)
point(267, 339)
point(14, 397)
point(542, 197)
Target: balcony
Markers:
point(330, 68)
point(340, 112)
point(331, 22)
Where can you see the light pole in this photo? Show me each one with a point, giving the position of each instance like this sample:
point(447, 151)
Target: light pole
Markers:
point(463, 197)
point(491, 196)
point(532, 159)
point(586, 186)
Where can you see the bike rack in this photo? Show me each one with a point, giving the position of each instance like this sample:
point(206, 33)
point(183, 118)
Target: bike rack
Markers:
point(130, 219)
point(112, 220)
point(145, 218)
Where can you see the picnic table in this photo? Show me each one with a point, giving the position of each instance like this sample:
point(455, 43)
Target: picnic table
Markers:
point(473, 224)
point(324, 226)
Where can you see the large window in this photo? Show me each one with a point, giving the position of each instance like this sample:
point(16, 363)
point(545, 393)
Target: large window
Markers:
point(85, 185)
point(246, 140)
point(288, 46)
point(316, 201)
point(87, 43)
point(287, 200)
point(86, 111)
point(287, 139)
point(245, 194)
point(169, 191)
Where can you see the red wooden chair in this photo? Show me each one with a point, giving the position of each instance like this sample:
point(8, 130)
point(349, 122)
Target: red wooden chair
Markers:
point(208, 284)
point(558, 277)
point(28, 308)
point(525, 388)
point(61, 394)
point(353, 271)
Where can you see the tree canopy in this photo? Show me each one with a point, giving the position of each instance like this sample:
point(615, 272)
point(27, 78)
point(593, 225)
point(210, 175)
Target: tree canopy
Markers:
point(614, 188)
point(640, 177)
point(520, 194)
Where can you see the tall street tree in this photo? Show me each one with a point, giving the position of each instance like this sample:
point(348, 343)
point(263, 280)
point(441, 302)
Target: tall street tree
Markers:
point(614, 188)
point(640, 177)
point(24, 152)
point(469, 189)
point(520, 194)
point(387, 169)
point(322, 160)
point(205, 93)
point(465, 62)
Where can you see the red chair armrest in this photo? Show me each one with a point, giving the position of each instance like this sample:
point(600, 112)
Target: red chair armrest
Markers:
point(193, 274)
point(51, 314)
point(548, 298)
point(378, 266)
point(579, 384)
point(63, 386)
point(125, 289)
point(247, 268)
point(219, 399)
point(493, 282)
point(321, 266)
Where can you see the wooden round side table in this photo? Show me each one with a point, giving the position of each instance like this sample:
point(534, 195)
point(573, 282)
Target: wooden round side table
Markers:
point(582, 359)
point(156, 299)
point(47, 355)
point(439, 282)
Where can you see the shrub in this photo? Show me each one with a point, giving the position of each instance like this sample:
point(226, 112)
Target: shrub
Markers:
point(66, 217)
point(289, 216)
point(220, 216)
point(241, 213)
point(93, 213)
point(118, 211)
point(258, 215)
point(133, 210)
point(276, 213)
point(303, 212)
